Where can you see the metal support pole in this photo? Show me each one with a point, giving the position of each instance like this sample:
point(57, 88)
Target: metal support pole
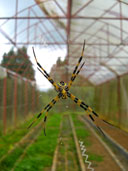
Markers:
point(5, 105)
point(101, 99)
point(37, 101)
point(16, 21)
point(108, 101)
point(33, 98)
point(108, 40)
point(121, 24)
point(26, 97)
point(28, 26)
point(15, 101)
point(69, 8)
point(118, 100)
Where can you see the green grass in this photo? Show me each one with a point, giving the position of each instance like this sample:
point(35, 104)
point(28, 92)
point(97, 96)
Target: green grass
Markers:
point(7, 141)
point(76, 121)
point(94, 157)
point(81, 132)
point(7, 164)
point(40, 154)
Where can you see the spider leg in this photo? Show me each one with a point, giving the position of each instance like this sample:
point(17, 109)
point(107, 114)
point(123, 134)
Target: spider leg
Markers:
point(45, 76)
point(74, 76)
point(75, 72)
point(48, 107)
point(81, 104)
point(86, 108)
point(93, 120)
point(45, 73)
point(42, 73)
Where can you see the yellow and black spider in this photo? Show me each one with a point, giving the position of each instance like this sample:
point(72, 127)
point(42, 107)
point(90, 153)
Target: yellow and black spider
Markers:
point(63, 92)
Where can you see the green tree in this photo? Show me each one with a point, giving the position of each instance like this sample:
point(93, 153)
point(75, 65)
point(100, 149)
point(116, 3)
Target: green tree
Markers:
point(60, 63)
point(19, 62)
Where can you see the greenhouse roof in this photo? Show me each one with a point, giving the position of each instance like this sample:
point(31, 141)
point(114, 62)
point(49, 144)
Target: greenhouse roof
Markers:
point(66, 24)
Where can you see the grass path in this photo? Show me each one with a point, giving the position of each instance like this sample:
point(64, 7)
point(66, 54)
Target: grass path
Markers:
point(36, 155)
point(36, 151)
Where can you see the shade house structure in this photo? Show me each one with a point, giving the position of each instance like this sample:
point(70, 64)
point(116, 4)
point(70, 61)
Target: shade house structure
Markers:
point(57, 30)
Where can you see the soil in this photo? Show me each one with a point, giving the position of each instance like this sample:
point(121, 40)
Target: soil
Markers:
point(108, 164)
point(117, 134)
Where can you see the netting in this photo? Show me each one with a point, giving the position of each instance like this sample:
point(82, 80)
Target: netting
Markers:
point(111, 101)
point(19, 98)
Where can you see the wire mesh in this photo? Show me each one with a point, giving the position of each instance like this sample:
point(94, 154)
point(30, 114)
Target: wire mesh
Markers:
point(111, 101)
point(19, 99)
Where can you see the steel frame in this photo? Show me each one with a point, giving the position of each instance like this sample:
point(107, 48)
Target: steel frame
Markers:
point(67, 40)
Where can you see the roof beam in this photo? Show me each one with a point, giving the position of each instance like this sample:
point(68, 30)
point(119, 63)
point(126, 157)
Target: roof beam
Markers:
point(71, 43)
point(63, 17)
point(79, 10)
point(92, 24)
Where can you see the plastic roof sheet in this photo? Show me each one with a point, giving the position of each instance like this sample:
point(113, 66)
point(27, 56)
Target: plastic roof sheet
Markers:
point(104, 25)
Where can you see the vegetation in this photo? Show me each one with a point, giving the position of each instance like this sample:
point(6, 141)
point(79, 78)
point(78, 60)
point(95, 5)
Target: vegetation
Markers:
point(39, 154)
point(60, 63)
point(18, 61)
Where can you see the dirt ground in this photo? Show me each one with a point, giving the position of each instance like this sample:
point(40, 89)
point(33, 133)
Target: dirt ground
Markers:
point(117, 134)
point(108, 164)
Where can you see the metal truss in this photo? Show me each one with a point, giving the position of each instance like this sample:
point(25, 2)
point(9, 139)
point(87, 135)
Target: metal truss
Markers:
point(65, 29)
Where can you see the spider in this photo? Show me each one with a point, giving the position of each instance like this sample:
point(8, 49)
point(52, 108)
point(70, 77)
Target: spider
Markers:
point(63, 92)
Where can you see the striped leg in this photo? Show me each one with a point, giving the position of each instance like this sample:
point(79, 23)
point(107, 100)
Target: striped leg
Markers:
point(45, 73)
point(46, 77)
point(74, 76)
point(75, 72)
point(50, 106)
point(47, 108)
point(95, 123)
point(86, 108)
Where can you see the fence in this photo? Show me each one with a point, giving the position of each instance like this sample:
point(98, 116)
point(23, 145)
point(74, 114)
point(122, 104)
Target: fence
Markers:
point(19, 98)
point(112, 101)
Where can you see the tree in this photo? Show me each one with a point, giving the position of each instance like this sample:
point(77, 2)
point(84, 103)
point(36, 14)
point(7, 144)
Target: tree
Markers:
point(19, 62)
point(59, 62)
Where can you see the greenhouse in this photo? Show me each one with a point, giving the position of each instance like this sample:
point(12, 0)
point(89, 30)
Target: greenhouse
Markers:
point(64, 85)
